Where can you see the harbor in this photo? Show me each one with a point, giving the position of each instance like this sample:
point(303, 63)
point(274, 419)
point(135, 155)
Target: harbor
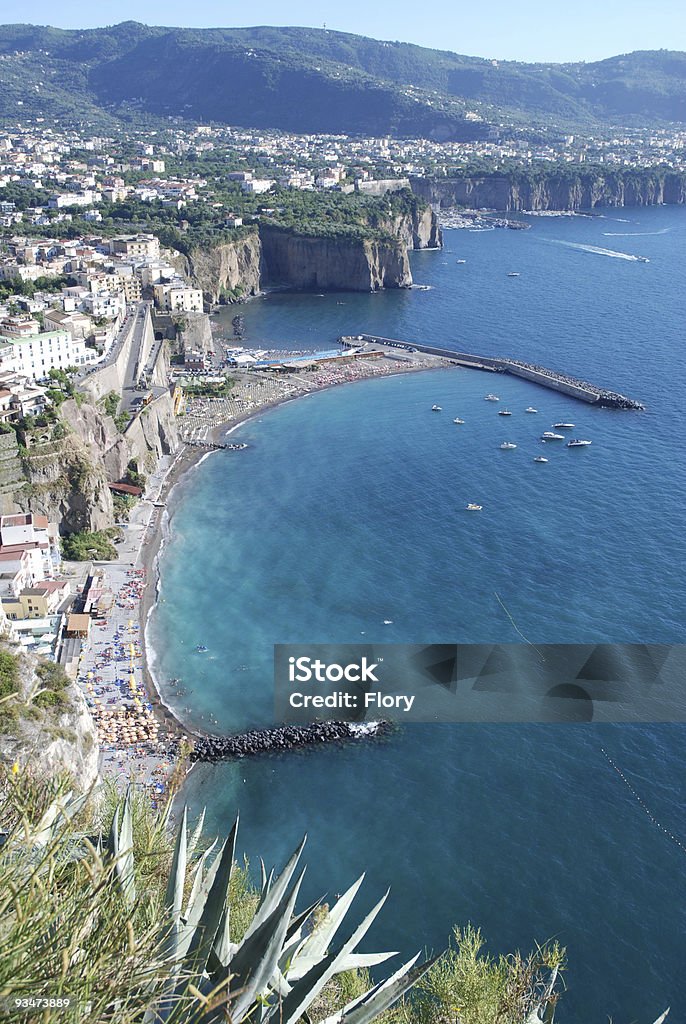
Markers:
point(547, 378)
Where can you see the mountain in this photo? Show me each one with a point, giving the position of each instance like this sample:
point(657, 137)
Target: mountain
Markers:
point(314, 80)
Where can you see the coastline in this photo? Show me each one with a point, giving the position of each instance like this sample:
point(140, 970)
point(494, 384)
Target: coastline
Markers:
point(152, 764)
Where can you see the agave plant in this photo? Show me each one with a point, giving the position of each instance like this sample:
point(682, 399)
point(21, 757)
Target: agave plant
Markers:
point(283, 960)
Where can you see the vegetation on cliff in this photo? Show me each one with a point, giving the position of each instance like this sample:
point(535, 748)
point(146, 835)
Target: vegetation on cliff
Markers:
point(106, 906)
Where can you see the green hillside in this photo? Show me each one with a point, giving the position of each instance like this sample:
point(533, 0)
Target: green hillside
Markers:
point(313, 80)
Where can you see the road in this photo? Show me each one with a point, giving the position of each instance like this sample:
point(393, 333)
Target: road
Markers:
point(132, 397)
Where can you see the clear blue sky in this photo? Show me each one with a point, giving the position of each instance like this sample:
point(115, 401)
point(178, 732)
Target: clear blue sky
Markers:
point(506, 29)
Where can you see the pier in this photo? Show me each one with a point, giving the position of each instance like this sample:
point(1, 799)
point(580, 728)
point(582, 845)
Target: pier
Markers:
point(551, 379)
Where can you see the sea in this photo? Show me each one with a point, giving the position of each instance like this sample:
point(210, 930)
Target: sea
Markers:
point(344, 521)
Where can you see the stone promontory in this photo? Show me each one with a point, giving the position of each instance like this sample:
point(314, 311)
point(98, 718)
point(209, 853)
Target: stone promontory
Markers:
point(364, 257)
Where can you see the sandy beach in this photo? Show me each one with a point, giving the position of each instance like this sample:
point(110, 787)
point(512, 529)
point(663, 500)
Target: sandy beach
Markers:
point(138, 734)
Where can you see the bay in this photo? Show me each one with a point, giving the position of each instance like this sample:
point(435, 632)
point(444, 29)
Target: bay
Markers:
point(348, 510)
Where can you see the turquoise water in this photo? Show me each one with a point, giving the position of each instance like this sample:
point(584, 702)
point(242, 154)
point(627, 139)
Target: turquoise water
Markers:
point(348, 510)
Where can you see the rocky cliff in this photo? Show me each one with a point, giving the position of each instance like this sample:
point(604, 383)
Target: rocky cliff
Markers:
point(582, 190)
point(335, 263)
point(231, 269)
point(276, 255)
point(149, 436)
point(64, 481)
point(49, 732)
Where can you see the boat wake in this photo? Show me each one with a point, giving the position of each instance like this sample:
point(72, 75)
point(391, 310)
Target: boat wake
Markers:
point(633, 234)
point(599, 251)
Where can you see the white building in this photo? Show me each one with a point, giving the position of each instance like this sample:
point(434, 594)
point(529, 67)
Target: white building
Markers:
point(178, 298)
point(37, 354)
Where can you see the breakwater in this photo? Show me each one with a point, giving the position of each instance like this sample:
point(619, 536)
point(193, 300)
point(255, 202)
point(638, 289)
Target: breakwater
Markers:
point(280, 738)
point(547, 378)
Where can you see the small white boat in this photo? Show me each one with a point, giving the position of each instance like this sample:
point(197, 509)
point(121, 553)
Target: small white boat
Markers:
point(504, 412)
point(507, 445)
point(530, 409)
point(458, 420)
point(549, 435)
point(578, 442)
point(540, 458)
point(492, 398)
point(563, 426)
point(471, 507)
point(513, 273)
point(436, 408)
point(460, 261)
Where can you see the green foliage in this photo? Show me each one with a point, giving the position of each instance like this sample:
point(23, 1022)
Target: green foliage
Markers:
point(133, 476)
point(206, 389)
point(52, 675)
point(86, 546)
point(123, 503)
point(9, 673)
point(470, 987)
point(110, 403)
point(121, 421)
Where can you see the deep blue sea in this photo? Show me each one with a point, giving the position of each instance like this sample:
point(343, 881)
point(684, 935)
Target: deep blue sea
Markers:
point(348, 509)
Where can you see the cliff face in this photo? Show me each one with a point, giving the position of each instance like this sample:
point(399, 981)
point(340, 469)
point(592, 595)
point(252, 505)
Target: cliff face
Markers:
point(278, 256)
point(150, 435)
point(226, 267)
point(554, 191)
point(65, 483)
point(49, 740)
point(333, 264)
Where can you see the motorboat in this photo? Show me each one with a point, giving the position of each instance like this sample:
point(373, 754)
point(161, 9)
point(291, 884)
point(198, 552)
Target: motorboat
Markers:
point(471, 507)
point(436, 408)
point(460, 261)
point(513, 273)
point(504, 412)
point(530, 409)
point(549, 435)
point(578, 442)
point(507, 445)
point(540, 458)
point(563, 426)
point(458, 420)
point(492, 398)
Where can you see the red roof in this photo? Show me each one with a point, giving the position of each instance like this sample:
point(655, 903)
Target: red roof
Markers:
point(126, 489)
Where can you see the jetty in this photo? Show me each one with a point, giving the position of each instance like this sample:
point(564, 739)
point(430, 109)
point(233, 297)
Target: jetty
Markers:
point(209, 749)
point(551, 379)
point(215, 445)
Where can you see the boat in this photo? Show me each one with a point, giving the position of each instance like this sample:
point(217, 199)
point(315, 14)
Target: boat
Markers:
point(530, 409)
point(458, 420)
point(563, 426)
point(643, 259)
point(201, 648)
point(436, 408)
point(504, 412)
point(548, 435)
point(513, 273)
point(540, 458)
point(492, 398)
point(506, 445)
point(578, 442)
point(460, 261)
point(471, 507)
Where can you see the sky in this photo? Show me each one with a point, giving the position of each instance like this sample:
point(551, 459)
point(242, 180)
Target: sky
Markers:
point(528, 30)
